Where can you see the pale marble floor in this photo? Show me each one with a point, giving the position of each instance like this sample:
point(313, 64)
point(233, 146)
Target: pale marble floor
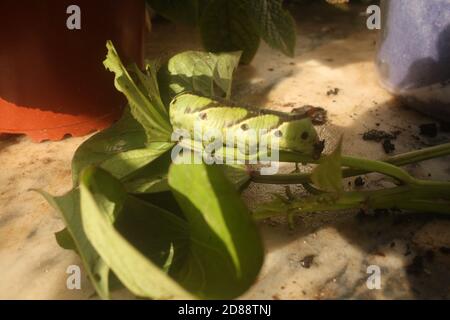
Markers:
point(332, 53)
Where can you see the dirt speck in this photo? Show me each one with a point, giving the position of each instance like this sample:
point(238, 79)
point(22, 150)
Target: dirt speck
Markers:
point(416, 268)
point(445, 126)
point(429, 130)
point(333, 92)
point(47, 160)
point(307, 261)
point(359, 182)
point(429, 255)
point(388, 146)
point(379, 254)
point(408, 251)
point(377, 136)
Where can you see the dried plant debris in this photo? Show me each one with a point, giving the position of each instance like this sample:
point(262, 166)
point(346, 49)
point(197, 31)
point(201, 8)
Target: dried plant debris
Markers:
point(318, 115)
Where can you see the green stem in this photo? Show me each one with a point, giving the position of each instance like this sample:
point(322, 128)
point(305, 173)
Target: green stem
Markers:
point(378, 166)
point(414, 198)
point(355, 163)
point(400, 160)
point(441, 150)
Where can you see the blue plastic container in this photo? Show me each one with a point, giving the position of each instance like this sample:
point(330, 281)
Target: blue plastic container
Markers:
point(413, 58)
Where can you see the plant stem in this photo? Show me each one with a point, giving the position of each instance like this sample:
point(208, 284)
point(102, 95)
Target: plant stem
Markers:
point(399, 160)
point(441, 150)
point(414, 198)
point(378, 166)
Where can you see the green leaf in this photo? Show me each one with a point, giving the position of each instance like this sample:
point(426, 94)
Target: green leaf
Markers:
point(226, 253)
point(272, 208)
point(143, 96)
point(65, 240)
point(150, 179)
point(275, 24)
point(238, 175)
point(127, 134)
point(69, 207)
point(226, 65)
point(101, 195)
point(215, 254)
point(125, 163)
point(198, 72)
point(164, 200)
point(327, 176)
point(226, 26)
point(120, 149)
point(183, 11)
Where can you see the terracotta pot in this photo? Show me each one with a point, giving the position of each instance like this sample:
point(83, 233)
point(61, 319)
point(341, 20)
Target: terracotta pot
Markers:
point(52, 80)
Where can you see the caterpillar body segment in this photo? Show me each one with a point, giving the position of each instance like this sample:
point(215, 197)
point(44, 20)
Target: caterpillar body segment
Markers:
point(242, 127)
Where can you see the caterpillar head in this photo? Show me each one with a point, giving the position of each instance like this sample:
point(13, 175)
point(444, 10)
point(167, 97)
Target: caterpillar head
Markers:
point(300, 136)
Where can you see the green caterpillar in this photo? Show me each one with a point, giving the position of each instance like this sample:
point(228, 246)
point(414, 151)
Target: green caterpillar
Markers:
point(293, 132)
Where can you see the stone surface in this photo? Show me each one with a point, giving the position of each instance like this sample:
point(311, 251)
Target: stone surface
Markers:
point(327, 255)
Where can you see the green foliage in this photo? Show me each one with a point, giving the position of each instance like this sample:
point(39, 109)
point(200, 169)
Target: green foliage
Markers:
point(125, 135)
point(226, 26)
point(235, 25)
point(327, 176)
point(213, 251)
point(102, 199)
point(226, 253)
point(181, 231)
point(153, 248)
point(131, 149)
point(207, 74)
point(74, 238)
point(143, 96)
point(274, 24)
